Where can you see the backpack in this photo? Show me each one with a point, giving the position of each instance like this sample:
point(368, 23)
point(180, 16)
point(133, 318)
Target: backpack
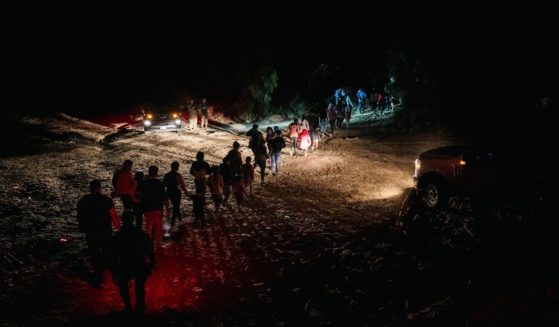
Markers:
point(199, 170)
point(278, 143)
point(170, 181)
point(255, 139)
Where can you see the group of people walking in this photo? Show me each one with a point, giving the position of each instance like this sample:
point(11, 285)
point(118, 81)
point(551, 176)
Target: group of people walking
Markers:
point(148, 199)
point(197, 111)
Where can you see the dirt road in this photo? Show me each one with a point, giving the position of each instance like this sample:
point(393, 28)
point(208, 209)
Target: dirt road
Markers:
point(317, 244)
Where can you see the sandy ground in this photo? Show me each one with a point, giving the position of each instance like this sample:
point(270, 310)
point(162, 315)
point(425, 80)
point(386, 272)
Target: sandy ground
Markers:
point(316, 245)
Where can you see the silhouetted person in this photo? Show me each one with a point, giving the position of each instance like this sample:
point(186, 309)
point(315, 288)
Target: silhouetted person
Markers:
point(174, 184)
point(235, 159)
point(204, 113)
point(153, 201)
point(278, 143)
point(95, 213)
point(255, 137)
point(200, 169)
point(261, 156)
point(133, 259)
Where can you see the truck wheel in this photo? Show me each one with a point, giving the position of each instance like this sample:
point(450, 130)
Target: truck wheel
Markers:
point(434, 193)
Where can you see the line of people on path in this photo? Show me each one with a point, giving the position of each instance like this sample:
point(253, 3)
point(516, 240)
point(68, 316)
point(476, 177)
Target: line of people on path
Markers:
point(130, 252)
point(303, 137)
point(147, 200)
point(380, 100)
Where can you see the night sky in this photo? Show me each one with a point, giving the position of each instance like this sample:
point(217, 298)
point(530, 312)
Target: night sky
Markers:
point(479, 65)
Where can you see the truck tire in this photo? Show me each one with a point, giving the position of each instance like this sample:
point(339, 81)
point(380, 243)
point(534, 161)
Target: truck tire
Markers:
point(434, 192)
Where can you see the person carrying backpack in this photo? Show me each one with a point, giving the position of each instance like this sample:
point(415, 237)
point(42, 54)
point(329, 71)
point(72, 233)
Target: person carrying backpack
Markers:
point(200, 169)
point(255, 137)
point(174, 184)
point(235, 159)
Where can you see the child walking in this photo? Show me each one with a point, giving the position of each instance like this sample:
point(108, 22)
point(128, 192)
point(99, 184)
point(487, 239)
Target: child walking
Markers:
point(239, 191)
point(215, 182)
point(248, 173)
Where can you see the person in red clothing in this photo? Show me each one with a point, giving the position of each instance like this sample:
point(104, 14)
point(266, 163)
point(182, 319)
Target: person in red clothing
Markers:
point(304, 141)
point(95, 214)
point(124, 184)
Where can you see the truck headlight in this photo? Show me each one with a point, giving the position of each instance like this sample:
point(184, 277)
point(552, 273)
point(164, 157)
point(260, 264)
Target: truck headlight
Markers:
point(175, 115)
point(147, 123)
point(149, 116)
point(177, 122)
